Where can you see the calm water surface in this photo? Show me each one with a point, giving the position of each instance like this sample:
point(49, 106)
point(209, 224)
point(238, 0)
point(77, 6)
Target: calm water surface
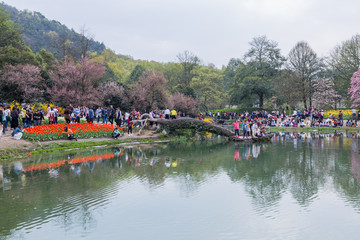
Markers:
point(297, 187)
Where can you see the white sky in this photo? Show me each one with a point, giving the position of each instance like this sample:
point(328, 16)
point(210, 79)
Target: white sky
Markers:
point(215, 30)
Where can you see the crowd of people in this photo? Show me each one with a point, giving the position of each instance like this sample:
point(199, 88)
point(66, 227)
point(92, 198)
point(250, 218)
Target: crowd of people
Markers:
point(306, 118)
point(251, 123)
point(11, 118)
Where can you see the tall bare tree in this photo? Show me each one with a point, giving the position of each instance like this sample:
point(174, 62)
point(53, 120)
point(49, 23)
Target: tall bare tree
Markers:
point(303, 61)
point(188, 61)
point(85, 41)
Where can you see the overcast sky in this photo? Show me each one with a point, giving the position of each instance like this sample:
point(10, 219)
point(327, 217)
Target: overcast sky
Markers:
point(214, 30)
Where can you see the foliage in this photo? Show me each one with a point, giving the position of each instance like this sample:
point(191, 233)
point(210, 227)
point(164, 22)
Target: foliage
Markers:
point(183, 103)
point(343, 62)
point(230, 73)
point(287, 88)
point(305, 64)
point(22, 83)
point(75, 83)
point(354, 90)
point(208, 87)
point(240, 110)
point(149, 93)
point(253, 79)
point(136, 74)
point(112, 94)
point(188, 61)
point(10, 32)
point(263, 60)
point(39, 33)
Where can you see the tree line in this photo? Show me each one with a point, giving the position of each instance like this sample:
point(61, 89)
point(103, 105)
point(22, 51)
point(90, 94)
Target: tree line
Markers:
point(262, 76)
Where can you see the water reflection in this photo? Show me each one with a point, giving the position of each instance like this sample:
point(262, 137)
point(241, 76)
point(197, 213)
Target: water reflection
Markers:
point(248, 150)
point(302, 166)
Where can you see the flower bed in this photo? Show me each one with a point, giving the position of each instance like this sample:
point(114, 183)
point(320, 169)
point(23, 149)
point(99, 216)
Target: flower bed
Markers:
point(347, 113)
point(81, 130)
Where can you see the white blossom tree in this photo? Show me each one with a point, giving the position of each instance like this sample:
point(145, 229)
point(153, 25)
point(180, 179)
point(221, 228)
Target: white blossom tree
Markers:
point(324, 94)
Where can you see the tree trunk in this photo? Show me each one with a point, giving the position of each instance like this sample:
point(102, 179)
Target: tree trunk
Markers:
point(189, 123)
point(304, 95)
point(261, 100)
point(197, 126)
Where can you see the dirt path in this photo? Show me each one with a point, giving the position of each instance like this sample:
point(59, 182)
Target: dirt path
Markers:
point(7, 141)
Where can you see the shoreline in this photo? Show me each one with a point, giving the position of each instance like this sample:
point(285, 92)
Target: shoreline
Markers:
point(11, 149)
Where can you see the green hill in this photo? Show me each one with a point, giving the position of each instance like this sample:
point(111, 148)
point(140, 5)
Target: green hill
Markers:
point(40, 32)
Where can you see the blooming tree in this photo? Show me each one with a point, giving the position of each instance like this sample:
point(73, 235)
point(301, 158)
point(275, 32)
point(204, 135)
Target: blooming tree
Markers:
point(22, 83)
point(149, 92)
point(324, 94)
point(113, 93)
point(354, 90)
point(183, 103)
point(75, 83)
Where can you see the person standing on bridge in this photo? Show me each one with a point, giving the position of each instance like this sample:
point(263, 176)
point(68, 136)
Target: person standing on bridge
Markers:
point(245, 128)
point(236, 127)
point(167, 113)
point(173, 114)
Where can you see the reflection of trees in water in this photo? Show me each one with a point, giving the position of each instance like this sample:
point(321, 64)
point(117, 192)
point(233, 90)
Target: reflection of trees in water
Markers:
point(69, 198)
point(346, 179)
point(301, 169)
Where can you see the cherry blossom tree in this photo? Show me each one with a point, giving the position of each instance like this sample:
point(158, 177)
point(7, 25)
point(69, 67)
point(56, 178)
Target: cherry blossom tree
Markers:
point(183, 103)
point(149, 93)
point(75, 83)
point(354, 90)
point(324, 94)
point(22, 83)
point(113, 94)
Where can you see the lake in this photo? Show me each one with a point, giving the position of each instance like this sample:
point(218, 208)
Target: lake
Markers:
point(299, 186)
